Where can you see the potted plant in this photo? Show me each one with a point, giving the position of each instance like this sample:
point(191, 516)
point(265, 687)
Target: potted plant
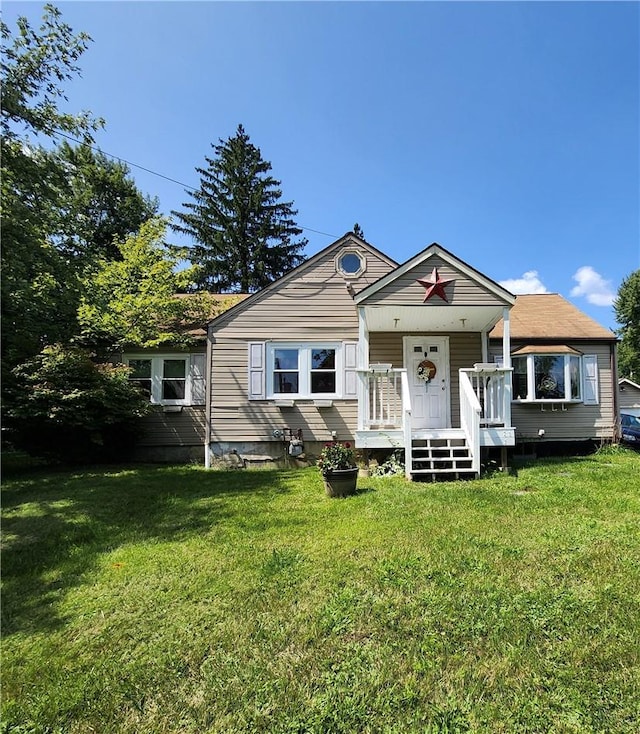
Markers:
point(338, 468)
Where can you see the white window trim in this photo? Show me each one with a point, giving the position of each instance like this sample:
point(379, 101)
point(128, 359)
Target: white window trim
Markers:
point(157, 361)
point(530, 362)
point(304, 370)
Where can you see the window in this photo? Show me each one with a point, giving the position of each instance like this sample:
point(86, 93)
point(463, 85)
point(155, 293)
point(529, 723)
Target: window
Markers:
point(553, 377)
point(169, 379)
point(350, 263)
point(141, 374)
point(174, 379)
point(303, 370)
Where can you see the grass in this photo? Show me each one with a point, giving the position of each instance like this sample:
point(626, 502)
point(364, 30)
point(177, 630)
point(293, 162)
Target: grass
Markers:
point(172, 599)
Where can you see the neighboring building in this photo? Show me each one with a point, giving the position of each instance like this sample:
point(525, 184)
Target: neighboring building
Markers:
point(417, 356)
point(629, 396)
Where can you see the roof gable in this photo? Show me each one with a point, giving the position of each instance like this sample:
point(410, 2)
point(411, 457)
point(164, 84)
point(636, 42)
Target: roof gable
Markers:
point(347, 241)
point(437, 256)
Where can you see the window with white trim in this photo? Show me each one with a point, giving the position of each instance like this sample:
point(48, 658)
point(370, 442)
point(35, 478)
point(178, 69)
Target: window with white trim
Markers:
point(304, 370)
point(169, 379)
point(539, 377)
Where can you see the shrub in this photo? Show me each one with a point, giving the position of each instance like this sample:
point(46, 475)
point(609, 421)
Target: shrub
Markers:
point(66, 407)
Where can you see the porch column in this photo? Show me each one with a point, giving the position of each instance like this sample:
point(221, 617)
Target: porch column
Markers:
point(506, 338)
point(506, 362)
point(363, 340)
point(363, 364)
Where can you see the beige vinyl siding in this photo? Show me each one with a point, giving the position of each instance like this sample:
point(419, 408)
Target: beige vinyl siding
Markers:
point(577, 421)
point(464, 351)
point(315, 306)
point(406, 290)
point(184, 428)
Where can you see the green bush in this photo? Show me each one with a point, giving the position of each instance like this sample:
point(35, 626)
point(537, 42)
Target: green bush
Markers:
point(67, 408)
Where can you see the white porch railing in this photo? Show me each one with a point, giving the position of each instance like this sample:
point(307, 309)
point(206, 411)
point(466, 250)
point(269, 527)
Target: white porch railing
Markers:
point(492, 386)
point(470, 410)
point(382, 405)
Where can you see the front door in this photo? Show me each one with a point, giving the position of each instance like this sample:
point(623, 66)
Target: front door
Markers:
point(427, 361)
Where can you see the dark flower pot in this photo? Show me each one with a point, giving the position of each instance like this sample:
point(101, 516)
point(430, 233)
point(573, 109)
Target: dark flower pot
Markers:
point(341, 482)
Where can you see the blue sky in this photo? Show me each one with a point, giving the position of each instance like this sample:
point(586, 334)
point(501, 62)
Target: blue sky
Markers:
point(506, 131)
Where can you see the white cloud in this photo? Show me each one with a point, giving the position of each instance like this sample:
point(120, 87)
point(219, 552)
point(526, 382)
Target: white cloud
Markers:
point(593, 287)
point(528, 283)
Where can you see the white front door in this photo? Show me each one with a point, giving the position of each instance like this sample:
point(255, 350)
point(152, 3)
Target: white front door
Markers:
point(428, 356)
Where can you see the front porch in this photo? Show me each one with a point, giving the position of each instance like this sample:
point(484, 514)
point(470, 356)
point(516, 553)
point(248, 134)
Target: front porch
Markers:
point(385, 419)
point(427, 383)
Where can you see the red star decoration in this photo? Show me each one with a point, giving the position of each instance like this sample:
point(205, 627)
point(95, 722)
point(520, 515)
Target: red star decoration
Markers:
point(435, 286)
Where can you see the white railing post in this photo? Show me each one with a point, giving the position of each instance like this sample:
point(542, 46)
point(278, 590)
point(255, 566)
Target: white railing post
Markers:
point(406, 422)
point(470, 410)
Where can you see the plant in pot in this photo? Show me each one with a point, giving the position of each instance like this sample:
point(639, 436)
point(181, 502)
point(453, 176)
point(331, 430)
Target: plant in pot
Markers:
point(338, 468)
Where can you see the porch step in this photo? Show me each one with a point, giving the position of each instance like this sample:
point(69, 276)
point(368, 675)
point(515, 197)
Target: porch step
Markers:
point(438, 454)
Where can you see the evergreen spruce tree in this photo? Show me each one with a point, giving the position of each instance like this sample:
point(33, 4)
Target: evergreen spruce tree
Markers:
point(245, 236)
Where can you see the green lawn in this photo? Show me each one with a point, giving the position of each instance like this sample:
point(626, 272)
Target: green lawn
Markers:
point(172, 599)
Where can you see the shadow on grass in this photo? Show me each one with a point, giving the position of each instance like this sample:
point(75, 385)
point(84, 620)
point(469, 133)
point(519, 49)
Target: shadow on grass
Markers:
point(56, 524)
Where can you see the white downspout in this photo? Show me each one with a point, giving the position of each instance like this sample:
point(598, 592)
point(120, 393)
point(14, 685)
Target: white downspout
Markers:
point(207, 404)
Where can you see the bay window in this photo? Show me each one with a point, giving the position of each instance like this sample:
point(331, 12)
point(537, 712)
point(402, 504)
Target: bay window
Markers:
point(561, 375)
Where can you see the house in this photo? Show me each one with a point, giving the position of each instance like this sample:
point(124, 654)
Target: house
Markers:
point(629, 396)
point(431, 357)
point(175, 380)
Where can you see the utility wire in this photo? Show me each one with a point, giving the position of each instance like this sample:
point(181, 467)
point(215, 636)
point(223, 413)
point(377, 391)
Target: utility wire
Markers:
point(160, 175)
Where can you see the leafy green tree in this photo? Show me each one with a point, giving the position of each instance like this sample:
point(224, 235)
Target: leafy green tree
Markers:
point(70, 409)
point(100, 204)
point(132, 301)
point(245, 236)
point(627, 310)
point(39, 286)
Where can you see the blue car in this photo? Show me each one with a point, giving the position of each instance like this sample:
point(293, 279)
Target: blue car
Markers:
point(630, 429)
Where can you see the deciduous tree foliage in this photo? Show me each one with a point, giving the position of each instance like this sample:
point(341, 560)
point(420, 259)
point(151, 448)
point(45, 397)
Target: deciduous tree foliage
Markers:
point(132, 301)
point(39, 285)
point(68, 408)
point(245, 236)
point(61, 208)
point(627, 309)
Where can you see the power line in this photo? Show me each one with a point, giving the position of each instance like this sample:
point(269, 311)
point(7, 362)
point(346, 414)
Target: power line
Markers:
point(160, 175)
